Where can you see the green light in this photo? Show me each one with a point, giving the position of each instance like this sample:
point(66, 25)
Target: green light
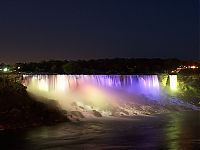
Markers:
point(173, 82)
point(5, 70)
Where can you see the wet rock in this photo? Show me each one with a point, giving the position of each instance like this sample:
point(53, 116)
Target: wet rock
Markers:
point(96, 113)
point(19, 110)
point(73, 104)
point(124, 112)
point(81, 107)
point(77, 114)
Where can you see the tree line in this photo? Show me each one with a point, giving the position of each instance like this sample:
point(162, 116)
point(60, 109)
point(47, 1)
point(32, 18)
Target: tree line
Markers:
point(102, 66)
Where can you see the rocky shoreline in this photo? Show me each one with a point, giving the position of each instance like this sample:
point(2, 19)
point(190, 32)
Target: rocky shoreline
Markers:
point(18, 110)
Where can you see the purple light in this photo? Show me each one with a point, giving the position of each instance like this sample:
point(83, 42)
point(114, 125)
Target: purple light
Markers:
point(145, 84)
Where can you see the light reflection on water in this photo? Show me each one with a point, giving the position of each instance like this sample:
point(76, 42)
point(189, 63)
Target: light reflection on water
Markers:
point(177, 131)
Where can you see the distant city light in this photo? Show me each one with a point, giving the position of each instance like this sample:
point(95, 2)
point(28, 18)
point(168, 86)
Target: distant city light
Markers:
point(184, 67)
point(193, 67)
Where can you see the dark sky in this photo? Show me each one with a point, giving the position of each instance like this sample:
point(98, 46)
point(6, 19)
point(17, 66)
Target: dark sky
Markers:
point(34, 30)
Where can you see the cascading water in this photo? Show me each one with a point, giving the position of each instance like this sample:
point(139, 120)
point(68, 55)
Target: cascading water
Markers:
point(145, 84)
point(108, 94)
point(173, 82)
point(99, 92)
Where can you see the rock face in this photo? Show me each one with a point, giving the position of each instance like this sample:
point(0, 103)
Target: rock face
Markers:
point(19, 110)
point(96, 113)
point(189, 88)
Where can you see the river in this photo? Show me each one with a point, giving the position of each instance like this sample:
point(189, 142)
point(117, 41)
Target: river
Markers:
point(176, 131)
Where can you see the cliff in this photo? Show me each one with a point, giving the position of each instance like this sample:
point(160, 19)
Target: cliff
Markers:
point(19, 110)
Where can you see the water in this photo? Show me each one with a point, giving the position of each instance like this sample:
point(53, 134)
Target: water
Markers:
point(146, 84)
point(100, 92)
point(175, 131)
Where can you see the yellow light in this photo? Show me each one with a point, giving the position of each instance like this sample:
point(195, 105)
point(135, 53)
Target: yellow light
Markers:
point(43, 85)
point(173, 82)
point(62, 83)
point(193, 67)
point(94, 96)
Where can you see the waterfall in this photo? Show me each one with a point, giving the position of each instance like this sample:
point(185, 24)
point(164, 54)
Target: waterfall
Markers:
point(173, 82)
point(105, 93)
point(145, 84)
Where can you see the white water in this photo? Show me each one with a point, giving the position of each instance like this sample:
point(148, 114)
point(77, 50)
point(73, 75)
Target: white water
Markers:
point(99, 92)
point(148, 85)
point(103, 93)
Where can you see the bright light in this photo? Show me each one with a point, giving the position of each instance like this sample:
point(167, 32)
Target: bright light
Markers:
point(5, 69)
point(193, 67)
point(173, 82)
point(62, 83)
point(43, 85)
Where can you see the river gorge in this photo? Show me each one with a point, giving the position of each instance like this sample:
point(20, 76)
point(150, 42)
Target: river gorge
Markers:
point(111, 112)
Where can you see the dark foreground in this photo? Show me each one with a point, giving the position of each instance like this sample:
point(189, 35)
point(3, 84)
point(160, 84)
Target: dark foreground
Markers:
point(178, 131)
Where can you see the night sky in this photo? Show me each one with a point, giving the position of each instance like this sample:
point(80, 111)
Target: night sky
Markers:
point(35, 30)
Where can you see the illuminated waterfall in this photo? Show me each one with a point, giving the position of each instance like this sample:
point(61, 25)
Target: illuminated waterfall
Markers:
point(146, 84)
point(97, 91)
point(173, 82)
point(108, 94)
